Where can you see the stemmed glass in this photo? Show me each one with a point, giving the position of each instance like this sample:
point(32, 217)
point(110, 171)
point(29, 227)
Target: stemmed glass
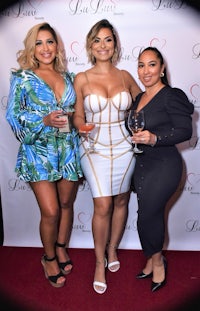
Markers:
point(136, 124)
point(87, 129)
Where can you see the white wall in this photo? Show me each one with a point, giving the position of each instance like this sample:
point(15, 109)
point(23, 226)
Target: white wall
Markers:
point(172, 28)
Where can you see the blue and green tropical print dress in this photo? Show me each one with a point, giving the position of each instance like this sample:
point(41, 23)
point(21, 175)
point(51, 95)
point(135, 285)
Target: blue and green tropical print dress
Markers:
point(44, 153)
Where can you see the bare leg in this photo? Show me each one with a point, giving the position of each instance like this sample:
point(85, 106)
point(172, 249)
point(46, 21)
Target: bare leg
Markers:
point(148, 268)
point(155, 268)
point(67, 191)
point(158, 268)
point(46, 195)
point(119, 219)
point(101, 227)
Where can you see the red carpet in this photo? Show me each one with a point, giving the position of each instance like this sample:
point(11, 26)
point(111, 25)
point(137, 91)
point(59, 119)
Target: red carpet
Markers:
point(23, 286)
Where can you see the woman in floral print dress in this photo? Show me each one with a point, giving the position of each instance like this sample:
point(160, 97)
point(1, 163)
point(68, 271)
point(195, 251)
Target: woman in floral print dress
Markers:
point(40, 106)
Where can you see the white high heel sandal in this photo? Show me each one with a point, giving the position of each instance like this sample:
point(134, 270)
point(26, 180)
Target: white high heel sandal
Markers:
point(100, 287)
point(113, 266)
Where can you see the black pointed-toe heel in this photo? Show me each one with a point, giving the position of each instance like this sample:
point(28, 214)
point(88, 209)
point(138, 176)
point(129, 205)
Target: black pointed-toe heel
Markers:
point(142, 275)
point(156, 286)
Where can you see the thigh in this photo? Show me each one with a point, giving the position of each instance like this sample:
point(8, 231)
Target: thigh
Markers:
point(46, 196)
point(103, 205)
point(67, 191)
point(122, 199)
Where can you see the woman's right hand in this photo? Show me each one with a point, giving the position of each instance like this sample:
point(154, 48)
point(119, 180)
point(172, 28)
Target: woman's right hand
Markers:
point(82, 133)
point(55, 119)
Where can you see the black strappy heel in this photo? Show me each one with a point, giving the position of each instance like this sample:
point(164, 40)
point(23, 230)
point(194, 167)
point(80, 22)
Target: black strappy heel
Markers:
point(63, 265)
point(52, 278)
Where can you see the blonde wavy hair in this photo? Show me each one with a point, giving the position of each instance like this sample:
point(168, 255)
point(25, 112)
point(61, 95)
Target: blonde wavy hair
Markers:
point(26, 58)
point(104, 23)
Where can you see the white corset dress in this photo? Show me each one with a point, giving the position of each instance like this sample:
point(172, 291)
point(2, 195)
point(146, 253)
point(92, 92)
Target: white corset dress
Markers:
point(109, 169)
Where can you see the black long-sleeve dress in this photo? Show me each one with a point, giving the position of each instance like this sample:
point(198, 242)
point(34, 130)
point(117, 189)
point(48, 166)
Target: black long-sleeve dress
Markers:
point(158, 169)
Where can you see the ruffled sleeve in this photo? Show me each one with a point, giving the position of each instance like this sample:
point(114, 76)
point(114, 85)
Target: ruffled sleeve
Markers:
point(25, 123)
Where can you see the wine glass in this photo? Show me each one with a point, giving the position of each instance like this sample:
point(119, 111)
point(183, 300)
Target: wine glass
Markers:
point(136, 124)
point(86, 129)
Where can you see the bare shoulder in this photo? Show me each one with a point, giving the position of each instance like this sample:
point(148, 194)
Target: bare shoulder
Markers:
point(127, 75)
point(131, 83)
point(79, 76)
point(80, 80)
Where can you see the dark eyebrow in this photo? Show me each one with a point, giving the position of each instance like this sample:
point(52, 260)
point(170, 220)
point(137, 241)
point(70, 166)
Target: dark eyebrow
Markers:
point(51, 38)
point(104, 38)
point(151, 61)
point(108, 37)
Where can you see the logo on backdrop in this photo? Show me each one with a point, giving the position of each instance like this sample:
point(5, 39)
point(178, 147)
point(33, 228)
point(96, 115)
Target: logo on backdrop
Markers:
point(76, 54)
point(159, 43)
point(18, 185)
point(79, 7)
point(132, 225)
point(136, 50)
point(84, 186)
point(193, 225)
point(4, 102)
point(195, 94)
point(82, 221)
point(23, 9)
point(194, 143)
point(196, 51)
point(166, 4)
point(192, 184)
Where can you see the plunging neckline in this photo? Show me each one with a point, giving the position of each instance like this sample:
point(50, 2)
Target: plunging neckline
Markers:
point(59, 102)
point(150, 100)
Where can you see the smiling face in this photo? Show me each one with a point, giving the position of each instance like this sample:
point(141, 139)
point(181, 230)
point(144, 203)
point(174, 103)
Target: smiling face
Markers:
point(150, 68)
point(45, 48)
point(103, 45)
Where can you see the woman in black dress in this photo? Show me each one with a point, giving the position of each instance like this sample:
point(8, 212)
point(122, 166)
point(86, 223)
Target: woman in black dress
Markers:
point(158, 169)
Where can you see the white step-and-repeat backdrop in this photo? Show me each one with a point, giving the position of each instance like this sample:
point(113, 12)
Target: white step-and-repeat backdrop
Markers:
point(172, 27)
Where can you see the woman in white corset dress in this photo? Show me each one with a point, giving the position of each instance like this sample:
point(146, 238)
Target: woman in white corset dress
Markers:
point(104, 95)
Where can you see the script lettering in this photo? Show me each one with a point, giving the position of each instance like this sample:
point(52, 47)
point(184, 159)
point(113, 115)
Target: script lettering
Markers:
point(18, 185)
point(166, 4)
point(77, 7)
point(192, 225)
point(196, 51)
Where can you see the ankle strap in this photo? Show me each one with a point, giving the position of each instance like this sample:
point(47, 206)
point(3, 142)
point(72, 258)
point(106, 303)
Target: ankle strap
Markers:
point(60, 244)
point(112, 246)
point(49, 259)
